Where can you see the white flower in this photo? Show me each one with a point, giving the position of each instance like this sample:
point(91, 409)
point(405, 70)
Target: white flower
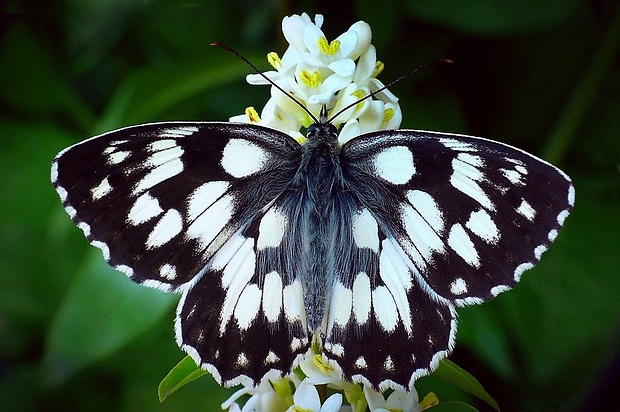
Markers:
point(263, 399)
point(307, 398)
point(317, 73)
point(397, 401)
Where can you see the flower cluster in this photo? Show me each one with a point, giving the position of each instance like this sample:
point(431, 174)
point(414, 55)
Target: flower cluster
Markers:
point(317, 73)
point(294, 393)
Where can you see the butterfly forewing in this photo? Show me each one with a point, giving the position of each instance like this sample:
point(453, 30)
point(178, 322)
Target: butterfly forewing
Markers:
point(161, 199)
point(471, 214)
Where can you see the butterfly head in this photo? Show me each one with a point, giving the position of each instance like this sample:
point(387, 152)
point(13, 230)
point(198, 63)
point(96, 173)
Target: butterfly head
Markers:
point(323, 131)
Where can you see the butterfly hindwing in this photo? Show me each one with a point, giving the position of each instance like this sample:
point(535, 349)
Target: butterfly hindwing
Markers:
point(245, 318)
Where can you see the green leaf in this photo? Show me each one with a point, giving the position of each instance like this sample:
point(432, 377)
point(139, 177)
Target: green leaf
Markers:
point(452, 406)
point(102, 312)
point(492, 16)
point(184, 372)
point(136, 100)
point(450, 372)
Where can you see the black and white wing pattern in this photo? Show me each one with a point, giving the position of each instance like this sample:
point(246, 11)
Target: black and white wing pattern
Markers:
point(366, 248)
point(178, 206)
point(452, 220)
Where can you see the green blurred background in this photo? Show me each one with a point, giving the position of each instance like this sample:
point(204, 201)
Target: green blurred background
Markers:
point(540, 75)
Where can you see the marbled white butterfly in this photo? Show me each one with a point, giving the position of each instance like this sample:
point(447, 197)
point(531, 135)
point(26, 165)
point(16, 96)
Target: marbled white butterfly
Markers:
point(365, 248)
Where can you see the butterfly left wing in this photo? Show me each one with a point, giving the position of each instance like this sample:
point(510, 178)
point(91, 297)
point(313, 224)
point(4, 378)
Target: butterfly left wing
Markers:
point(178, 206)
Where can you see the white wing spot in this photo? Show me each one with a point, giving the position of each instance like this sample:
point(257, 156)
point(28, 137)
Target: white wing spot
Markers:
point(526, 210)
point(458, 286)
point(571, 195)
point(162, 157)
point(361, 298)
point(397, 279)
point(423, 238)
point(235, 277)
point(539, 251)
point(168, 271)
point(465, 178)
point(115, 158)
point(179, 131)
point(211, 222)
point(159, 174)
point(272, 358)
point(513, 176)
point(341, 304)
point(361, 363)
point(272, 296)
point(520, 269)
point(144, 209)
point(335, 348)
point(271, 229)
point(160, 145)
point(428, 209)
point(101, 189)
point(247, 306)
point(385, 308)
point(204, 196)
point(483, 226)
point(293, 304)
point(297, 343)
point(388, 364)
point(562, 217)
point(552, 235)
point(168, 227)
point(395, 165)
point(460, 242)
point(457, 145)
point(365, 230)
point(242, 359)
point(242, 158)
point(496, 290)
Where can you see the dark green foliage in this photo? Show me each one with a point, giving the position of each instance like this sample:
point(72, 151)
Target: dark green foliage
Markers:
point(543, 76)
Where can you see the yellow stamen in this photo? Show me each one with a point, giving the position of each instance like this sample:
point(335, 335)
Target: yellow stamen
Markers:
point(378, 68)
point(387, 116)
point(300, 409)
point(301, 139)
point(310, 79)
point(274, 60)
point(252, 115)
point(429, 400)
point(321, 364)
point(327, 47)
point(358, 95)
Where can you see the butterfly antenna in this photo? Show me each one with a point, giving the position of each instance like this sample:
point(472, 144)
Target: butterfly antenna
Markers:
point(259, 72)
point(369, 95)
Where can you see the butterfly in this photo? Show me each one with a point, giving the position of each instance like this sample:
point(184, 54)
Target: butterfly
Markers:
point(364, 248)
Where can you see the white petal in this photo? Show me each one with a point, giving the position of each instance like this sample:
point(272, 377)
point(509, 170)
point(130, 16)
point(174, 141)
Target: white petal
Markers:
point(344, 67)
point(365, 65)
point(364, 35)
point(348, 43)
point(350, 130)
point(293, 29)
